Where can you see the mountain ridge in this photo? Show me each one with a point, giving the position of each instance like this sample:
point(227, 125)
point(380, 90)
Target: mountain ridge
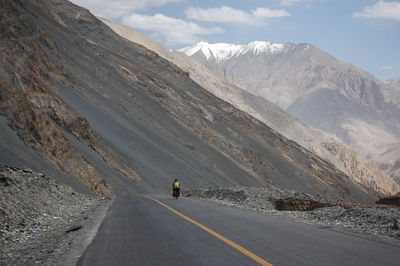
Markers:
point(225, 51)
point(325, 93)
point(314, 140)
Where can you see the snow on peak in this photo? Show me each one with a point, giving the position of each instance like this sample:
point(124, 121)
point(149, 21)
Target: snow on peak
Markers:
point(224, 51)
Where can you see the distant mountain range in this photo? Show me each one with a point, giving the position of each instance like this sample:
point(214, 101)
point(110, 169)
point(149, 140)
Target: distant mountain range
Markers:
point(317, 88)
point(322, 144)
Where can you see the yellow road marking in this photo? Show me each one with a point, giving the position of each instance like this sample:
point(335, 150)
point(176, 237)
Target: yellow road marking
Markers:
point(226, 240)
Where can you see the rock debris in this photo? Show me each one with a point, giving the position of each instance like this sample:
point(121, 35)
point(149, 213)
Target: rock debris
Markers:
point(376, 221)
point(40, 219)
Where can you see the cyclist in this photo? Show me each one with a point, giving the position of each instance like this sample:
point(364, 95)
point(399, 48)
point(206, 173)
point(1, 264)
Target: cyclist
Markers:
point(176, 188)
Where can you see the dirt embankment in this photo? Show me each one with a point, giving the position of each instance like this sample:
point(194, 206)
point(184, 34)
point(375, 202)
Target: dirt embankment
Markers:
point(395, 201)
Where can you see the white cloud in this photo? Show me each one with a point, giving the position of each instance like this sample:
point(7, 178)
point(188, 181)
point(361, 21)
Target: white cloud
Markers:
point(226, 14)
point(117, 8)
point(291, 2)
point(174, 31)
point(266, 13)
point(223, 14)
point(386, 67)
point(382, 9)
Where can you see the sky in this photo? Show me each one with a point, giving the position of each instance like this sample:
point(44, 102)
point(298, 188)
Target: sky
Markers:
point(365, 33)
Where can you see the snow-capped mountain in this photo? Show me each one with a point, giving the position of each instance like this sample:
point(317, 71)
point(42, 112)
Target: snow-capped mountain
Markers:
point(317, 88)
point(225, 51)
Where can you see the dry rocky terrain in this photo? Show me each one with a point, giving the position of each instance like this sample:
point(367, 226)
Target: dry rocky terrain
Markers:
point(320, 143)
point(375, 221)
point(86, 105)
point(318, 89)
point(42, 222)
point(119, 118)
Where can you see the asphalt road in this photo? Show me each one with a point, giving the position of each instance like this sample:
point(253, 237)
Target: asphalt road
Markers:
point(140, 231)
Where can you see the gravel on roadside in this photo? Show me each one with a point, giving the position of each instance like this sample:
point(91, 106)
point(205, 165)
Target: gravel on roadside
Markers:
point(42, 222)
point(375, 221)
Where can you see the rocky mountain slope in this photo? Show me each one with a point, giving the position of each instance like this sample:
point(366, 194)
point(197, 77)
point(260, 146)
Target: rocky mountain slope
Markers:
point(320, 143)
point(315, 87)
point(86, 103)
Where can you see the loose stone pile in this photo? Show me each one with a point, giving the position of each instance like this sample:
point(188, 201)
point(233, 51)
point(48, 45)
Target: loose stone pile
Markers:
point(37, 216)
point(371, 220)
